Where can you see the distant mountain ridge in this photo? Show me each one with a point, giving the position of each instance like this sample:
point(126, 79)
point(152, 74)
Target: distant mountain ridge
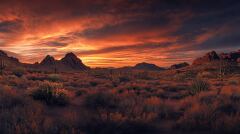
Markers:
point(70, 62)
point(147, 66)
point(213, 57)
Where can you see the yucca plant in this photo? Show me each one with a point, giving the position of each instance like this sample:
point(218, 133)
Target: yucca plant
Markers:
point(198, 86)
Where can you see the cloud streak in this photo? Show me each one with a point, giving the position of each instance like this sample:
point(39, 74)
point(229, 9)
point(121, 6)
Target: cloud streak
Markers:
point(106, 33)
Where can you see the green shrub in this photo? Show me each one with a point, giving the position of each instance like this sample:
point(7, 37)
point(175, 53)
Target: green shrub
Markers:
point(198, 86)
point(50, 95)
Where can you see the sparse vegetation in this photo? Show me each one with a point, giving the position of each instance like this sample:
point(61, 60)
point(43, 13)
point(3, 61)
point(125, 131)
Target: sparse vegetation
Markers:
point(198, 86)
point(103, 101)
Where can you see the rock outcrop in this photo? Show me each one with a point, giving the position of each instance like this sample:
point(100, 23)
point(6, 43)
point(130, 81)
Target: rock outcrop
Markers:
point(209, 57)
point(213, 56)
point(48, 61)
point(232, 56)
point(180, 65)
point(72, 61)
point(7, 59)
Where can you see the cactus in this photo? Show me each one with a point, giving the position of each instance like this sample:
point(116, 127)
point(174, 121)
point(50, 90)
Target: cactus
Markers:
point(2, 66)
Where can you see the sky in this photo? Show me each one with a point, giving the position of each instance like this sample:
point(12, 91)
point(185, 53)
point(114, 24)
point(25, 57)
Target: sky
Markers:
point(115, 33)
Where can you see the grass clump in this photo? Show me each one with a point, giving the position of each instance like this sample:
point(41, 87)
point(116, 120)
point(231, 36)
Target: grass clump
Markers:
point(198, 86)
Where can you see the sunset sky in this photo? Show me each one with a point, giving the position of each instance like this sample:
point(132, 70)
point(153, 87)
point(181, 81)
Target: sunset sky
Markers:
point(118, 33)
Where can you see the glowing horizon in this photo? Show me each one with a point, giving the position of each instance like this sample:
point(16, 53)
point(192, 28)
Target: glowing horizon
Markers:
point(118, 33)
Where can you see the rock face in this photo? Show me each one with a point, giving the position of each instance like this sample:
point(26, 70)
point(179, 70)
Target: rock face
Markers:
point(72, 61)
point(233, 56)
point(48, 60)
point(8, 60)
point(209, 57)
point(180, 65)
point(213, 56)
point(147, 66)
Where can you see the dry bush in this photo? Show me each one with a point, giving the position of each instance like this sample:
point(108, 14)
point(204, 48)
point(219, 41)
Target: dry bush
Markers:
point(51, 95)
point(211, 113)
point(198, 86)
point(102, 104)
point(54, 78)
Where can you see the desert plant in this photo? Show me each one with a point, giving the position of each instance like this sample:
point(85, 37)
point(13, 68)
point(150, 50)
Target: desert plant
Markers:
point(50, 95)
point(101, 102)
point(225, 68)
point(198, 86)
point(54, 78)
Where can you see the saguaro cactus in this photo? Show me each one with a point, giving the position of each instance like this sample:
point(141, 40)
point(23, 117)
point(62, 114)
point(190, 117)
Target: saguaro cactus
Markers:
point(2, 66)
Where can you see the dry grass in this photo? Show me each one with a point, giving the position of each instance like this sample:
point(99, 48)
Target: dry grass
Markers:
point(105, 101)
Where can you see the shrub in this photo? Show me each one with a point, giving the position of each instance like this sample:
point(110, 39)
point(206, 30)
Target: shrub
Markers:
point(54, 78)
point(50, 95)
point(19, 72)
point(101, 102)
point(124, 79)
point(198, 86)
point(80, 92)
point(93, 83)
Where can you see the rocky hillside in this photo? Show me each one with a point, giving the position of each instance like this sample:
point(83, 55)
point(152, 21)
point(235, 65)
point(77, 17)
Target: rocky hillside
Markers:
point(70, 62)
point(213, 56)
point(8, 61)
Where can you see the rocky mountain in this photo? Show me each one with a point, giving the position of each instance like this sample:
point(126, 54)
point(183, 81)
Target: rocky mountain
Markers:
point(209, 57)
point(8, 61)
point(147, 66)
point(213, 56)
point(70, 62)
point(232, 56)
point(48, 60)
point(179, 65)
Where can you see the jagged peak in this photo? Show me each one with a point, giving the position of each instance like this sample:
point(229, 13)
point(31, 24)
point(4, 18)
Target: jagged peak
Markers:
point(49, 60)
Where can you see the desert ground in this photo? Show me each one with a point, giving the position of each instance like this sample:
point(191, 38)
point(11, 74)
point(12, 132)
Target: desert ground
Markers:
point(193, 99)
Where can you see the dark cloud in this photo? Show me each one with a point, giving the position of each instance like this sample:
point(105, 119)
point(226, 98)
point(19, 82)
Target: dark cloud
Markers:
point(56, 44)
point(10, 26)
point(133, 27)
point(133, 48)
